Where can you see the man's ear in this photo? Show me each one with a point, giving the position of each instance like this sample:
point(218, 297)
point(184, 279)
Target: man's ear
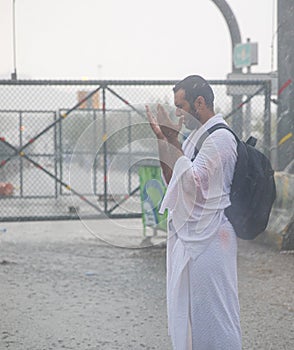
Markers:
point(199, 102)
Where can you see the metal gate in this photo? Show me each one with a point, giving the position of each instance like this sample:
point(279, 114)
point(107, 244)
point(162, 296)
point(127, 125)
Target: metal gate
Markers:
point(71, 149)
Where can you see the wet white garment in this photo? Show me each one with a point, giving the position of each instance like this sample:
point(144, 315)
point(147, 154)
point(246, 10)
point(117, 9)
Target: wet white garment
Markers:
point(202, 293)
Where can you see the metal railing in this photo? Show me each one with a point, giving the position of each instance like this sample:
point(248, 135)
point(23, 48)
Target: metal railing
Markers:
point(71, 149)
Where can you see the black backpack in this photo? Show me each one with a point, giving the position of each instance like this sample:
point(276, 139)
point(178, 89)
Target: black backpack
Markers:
point(253, 189)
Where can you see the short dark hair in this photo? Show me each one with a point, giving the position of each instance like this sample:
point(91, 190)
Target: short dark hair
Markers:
point(195, 86)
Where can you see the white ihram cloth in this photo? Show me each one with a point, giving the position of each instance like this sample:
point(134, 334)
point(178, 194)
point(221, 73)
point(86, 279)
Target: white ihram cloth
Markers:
point(202, 292)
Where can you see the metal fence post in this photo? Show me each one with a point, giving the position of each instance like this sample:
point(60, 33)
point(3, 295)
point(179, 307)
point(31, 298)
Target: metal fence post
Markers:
point(129, 152)
point(267, 119)
point(55, 155)
point(104, 147)
point(95, 157)
point(20, 158)
point(60, 155)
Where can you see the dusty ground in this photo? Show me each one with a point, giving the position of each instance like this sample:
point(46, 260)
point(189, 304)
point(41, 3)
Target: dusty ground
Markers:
point(62, 288)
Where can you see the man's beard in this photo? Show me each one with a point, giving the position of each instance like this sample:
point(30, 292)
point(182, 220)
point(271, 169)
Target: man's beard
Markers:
point(192, 121)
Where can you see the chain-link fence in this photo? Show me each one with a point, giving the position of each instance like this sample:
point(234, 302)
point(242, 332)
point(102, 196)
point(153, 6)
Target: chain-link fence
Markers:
point(71, 149)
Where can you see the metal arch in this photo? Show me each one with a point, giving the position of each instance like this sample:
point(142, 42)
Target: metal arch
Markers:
point(232, 25)
point(235, 34)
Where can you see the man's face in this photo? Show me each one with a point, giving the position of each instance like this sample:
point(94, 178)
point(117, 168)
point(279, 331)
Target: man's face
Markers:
point(184, 109)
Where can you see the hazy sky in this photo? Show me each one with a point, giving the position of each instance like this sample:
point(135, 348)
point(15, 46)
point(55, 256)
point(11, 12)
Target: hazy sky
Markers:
point(130, 39)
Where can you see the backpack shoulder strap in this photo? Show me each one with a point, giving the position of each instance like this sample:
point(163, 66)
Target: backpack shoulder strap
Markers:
point(208, 132)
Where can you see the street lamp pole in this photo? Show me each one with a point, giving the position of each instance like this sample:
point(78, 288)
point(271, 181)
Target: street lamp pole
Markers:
point(14, 75)
point(285, 127)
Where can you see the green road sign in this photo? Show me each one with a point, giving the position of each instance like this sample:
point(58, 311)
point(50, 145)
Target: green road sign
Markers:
point(245, 55)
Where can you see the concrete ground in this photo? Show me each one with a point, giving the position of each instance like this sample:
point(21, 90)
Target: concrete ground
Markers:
point(63, 288)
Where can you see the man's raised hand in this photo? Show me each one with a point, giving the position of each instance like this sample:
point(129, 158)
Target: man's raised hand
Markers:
point(162, 125)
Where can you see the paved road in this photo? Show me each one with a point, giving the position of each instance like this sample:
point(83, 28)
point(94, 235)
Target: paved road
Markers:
point(62, 288)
